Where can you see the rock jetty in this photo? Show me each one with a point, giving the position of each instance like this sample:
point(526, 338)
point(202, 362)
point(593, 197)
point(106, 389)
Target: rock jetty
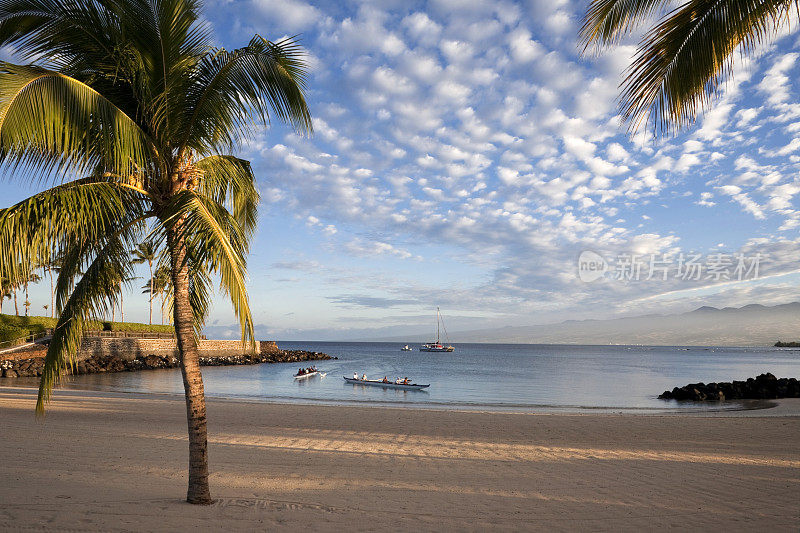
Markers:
point(97, 364)
point(763, 387)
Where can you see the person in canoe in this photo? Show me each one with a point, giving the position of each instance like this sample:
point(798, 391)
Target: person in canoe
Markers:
point(386, 379)
point(364, 377)
point(300, 372)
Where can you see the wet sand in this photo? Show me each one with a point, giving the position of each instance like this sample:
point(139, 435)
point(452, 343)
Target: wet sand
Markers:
point(116, 462)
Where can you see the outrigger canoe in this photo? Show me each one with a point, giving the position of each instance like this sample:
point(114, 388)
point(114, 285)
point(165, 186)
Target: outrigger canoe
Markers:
point(380, 383)
point(306, 375)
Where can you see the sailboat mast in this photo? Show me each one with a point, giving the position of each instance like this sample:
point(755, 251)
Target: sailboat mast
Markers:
point(437, 325)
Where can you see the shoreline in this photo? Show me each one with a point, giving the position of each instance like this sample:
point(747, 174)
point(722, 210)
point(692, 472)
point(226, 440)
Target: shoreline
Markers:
point(117, 462)
point(772, 408)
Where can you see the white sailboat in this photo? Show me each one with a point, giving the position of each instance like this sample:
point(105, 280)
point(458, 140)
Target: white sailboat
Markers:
point(437, 346)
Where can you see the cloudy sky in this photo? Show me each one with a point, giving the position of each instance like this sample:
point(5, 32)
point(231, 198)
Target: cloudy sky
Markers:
point(465, 154)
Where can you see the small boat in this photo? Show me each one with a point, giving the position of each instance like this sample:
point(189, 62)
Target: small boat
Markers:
point(381, 383)
point(437, 346)
point(405, 348)
point(307, 374)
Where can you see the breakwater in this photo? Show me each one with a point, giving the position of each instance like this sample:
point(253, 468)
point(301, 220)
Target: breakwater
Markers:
point(762, 387)
point(99, 355)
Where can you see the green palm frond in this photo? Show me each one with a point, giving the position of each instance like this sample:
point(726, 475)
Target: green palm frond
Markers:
point(199, 291)
point(94, 295)
point(235, 90)
point(230, 182)
point(36, 229)
point(75, 256)
point(683, 60)
point(52, 123)
point(62, 32)
point(214, 238)
point(607, 21)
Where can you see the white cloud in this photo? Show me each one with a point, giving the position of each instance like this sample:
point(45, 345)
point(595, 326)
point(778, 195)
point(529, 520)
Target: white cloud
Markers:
point(523, 48)
point(294, 15)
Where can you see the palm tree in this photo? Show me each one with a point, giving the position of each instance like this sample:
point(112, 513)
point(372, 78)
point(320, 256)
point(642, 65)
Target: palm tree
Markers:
point(31, 277)
point(685, 56)
point(131, 96)
point(48, 268)
point(158, 285)
point(146, 253)
point(120, 278)
point(5, 291)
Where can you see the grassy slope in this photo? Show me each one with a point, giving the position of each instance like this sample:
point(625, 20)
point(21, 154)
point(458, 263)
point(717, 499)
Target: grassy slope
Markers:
point(14, 327)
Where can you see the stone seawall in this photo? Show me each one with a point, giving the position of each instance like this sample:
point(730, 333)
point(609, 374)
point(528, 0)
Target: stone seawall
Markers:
point(103, 354)
point(131, 348)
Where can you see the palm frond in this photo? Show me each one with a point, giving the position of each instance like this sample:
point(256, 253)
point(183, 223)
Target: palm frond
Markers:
point(52, 123)
point(169, 39)
point(607, 21)
point(215, 239)
point(682, 61)
point(230, 182)
point(38, 228)
point(235, 90)
point(60, 32)
point(94, 295)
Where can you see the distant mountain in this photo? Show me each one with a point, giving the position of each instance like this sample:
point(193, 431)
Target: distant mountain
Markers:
point(751, 325)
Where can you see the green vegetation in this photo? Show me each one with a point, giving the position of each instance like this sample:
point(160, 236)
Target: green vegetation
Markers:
point(10, 333)
point(14, 327)
point(136, 327)
point(132, 101)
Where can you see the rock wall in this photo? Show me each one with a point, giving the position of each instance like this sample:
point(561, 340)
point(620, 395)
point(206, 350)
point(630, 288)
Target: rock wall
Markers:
point(131, 348)
point(102, 354)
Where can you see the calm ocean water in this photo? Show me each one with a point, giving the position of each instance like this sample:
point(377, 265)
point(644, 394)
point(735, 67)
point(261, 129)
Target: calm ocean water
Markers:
point(478, 376)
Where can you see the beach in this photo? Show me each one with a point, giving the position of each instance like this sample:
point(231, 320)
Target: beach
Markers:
point(117, 462)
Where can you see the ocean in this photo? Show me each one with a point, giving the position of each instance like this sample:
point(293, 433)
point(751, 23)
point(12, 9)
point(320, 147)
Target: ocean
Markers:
point(495, 377)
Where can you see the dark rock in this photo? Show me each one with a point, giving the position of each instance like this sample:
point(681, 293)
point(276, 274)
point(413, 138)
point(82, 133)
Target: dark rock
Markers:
point(764, 386)
point(99, 364)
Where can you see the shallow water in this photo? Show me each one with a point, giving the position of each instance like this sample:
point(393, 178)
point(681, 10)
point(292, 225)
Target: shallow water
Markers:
point(502, 377)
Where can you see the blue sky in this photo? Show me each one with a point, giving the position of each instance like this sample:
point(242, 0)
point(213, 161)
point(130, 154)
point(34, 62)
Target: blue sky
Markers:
point(465, 154)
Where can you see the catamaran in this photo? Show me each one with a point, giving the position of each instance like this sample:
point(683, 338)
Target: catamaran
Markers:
point(386, 384)
point(437, 346)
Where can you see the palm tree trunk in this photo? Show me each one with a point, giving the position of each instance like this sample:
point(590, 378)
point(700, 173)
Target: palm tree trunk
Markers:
point(183, 317)
point(52, 295)
point(16, 309)
point(150, 264)
point(121, 310)
point(27, 303)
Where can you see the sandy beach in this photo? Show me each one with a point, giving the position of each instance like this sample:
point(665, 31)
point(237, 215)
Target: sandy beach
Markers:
point(115, 462)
